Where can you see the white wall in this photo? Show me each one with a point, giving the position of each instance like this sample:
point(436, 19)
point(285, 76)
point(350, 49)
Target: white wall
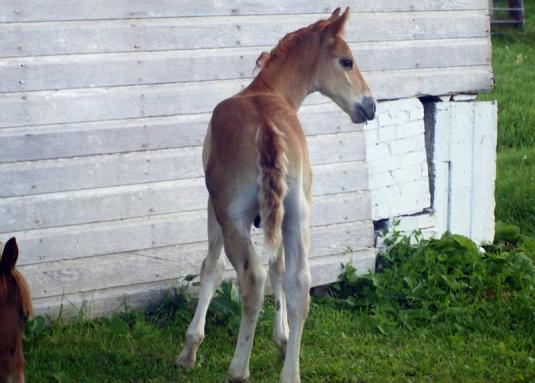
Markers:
point(461, 150)
point(397, 159)
point(105, 104)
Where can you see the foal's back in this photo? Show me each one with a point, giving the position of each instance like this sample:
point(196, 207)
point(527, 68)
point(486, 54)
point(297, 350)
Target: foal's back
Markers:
point(233, 137)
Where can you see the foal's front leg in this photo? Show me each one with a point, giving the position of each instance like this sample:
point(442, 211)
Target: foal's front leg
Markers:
point(212, 270)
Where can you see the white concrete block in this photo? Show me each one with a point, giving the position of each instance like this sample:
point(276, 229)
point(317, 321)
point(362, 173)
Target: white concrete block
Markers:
point(397, 159)
point(387, 133)
point(413, 222)
point(413, 157)
point(372, 137)
point(384, 164)
point(389, 193)
point(417, 113)
point(370, 125)
point(409, 145)
point(381, 211)
point(411, 128)
point(399, 111)
point(409, 173)
point(377, 151)
point(417, 187)
point(381, 180)
point(409, 205)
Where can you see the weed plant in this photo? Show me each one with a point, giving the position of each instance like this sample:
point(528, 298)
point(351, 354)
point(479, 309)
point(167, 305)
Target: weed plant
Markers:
point(449, 283)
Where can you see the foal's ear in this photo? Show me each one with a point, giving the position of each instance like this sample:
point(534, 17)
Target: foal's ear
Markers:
point(336, 27)
point(335, 14)
point(9, 256)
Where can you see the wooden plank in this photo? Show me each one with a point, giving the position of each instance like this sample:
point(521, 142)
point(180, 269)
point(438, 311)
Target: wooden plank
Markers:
point(461, 143)
point(94, 205)
point(125, 269)
point(124, 235)
point(57, 10)
point(138, 68)
point(79, 105)
point(104, 302)
point(464, 159)
point(35, 177)
point(437, 125)
point(427, 82)
point(149, 133)
point(53, 38)
point(483, 171)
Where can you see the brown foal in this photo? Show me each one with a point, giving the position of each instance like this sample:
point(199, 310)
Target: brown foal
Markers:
point(257, 169)
point(15, 307)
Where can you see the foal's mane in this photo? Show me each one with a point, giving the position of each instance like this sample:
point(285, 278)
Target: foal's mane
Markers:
point(287, 42)
point(22, 298)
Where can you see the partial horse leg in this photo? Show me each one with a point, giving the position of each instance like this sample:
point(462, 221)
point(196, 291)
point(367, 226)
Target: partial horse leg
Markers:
point(297, 281)
point(251, 278)
point(212, 270)
point(280, 328)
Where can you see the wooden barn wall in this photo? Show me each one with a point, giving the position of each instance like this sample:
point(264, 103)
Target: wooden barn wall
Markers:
point(104, 104)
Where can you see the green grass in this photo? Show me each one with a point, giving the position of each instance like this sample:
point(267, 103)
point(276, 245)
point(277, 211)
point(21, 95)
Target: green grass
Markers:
point(515, 187)
point(389, 327)
point(339, 345)
point(513, 61)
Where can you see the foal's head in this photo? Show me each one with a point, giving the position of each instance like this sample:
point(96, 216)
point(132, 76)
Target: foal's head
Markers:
point(334, 72)
point(337, 73)
point(15, 307)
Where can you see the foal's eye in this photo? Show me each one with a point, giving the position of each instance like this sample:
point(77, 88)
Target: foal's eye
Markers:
point(346, 63)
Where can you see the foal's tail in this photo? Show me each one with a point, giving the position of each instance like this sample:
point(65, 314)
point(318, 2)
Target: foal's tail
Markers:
point(273, 166)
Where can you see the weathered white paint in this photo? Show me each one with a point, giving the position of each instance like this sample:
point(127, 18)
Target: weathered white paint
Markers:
point(93, 104)
point(89, 239)
point(141, 68)
point(104, 301)
point(59, 10)
point(148, 199)
point(397, 160)
point(466, 168)
point(131, 35)
point(105, 105)
point(46, 176)
point(144, 266)
point(463, 161)
point(149, 133)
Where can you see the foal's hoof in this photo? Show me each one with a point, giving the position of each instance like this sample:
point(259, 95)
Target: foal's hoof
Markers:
point(185, 360)
point(236, 375)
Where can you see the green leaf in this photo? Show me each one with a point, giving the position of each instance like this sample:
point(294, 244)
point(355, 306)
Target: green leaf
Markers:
point(381, 330)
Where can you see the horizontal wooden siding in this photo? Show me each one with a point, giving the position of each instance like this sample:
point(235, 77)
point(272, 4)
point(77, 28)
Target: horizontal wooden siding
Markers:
point(105, 105)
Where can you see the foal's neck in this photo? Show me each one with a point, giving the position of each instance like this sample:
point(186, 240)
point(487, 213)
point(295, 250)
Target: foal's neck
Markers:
point(291, 76)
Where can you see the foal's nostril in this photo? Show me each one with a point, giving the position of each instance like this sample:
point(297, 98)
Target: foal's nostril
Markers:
point(369, 107)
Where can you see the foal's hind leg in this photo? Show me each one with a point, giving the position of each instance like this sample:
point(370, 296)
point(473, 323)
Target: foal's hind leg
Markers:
point(280, 328)
point(212, 270)
point(296, 282)
point(251, 277)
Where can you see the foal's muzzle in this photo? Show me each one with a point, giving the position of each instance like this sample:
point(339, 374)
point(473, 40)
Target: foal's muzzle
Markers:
point(364, 111)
